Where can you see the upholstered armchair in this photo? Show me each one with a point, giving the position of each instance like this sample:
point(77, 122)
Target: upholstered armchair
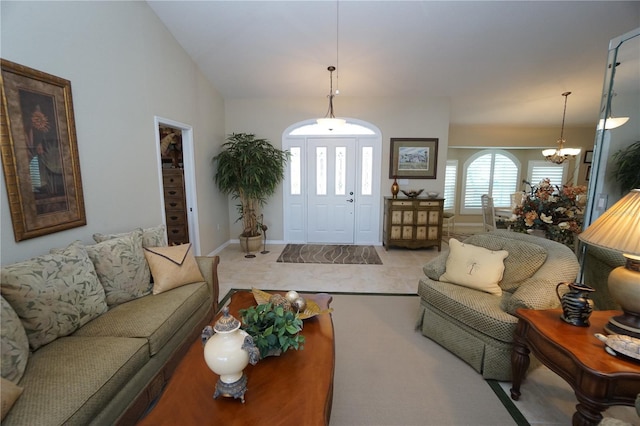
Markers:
point(597, 265)
point(478, 326)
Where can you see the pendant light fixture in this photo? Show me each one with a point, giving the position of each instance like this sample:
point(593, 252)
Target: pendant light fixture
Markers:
point(330, 121)
point(561, 154)
point(611, 122)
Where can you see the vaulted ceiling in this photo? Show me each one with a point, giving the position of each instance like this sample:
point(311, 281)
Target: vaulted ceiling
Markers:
point(499, 62)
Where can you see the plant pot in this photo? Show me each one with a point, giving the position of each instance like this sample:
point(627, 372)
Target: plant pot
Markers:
point(250, 244)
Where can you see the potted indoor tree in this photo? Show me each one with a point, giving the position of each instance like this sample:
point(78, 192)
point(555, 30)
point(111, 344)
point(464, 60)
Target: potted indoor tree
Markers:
point(250, 169)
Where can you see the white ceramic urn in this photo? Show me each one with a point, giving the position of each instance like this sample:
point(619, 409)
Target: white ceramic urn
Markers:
point(224, 352)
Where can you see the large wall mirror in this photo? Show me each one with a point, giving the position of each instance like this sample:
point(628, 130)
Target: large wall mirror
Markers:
point(620, 98)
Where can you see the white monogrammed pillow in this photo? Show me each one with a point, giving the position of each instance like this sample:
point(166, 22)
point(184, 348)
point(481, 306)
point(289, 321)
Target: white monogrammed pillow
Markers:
point(474, 267)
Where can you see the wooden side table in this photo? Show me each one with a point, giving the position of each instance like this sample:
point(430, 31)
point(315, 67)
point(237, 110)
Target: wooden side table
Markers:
point(598, 379)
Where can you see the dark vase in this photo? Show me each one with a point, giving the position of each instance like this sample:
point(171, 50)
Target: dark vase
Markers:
point(576, 305)
point(395, 188)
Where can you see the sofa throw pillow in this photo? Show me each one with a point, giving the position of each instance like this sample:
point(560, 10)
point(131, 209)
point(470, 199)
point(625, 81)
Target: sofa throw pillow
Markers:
point(172, 267)
point(151, 237)
point(524, 258)
point(474, 267)
point(13, 344)
point(53, 294)
point(9, 394)
point(122, 268)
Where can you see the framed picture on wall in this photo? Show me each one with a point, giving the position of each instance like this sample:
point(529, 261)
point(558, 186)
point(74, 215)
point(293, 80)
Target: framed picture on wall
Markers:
point(588, 157)
point(39, 152)
point(413, 158)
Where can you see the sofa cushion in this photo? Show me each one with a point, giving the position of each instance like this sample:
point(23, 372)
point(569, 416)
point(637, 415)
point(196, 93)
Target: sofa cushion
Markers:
point(9, 393)
point(121, 267)
point(70, 380)
point(172, 267)
point(524, 258)
point(474, 267)
point(155, 318)
point(151, 237)
point(478, 310)
point(54, 294)
point(14, 343)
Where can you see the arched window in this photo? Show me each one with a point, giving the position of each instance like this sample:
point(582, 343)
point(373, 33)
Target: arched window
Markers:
point(494, 172)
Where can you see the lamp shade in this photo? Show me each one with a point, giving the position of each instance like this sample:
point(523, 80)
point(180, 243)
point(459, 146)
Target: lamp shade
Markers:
point(331, 123)
point(619, 227)
point(611, 122)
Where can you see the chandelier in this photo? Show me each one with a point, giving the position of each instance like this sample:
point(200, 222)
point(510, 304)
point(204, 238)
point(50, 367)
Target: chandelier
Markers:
point(330, 121)
point(561, 154)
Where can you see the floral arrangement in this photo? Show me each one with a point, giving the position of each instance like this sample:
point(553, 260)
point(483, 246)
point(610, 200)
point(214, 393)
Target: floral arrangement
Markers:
point(557, 212)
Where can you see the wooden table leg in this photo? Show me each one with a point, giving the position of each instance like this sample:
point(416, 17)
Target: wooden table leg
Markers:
point(587, 413)
point(519, 359)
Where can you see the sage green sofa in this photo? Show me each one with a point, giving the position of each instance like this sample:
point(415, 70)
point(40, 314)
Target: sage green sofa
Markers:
point(479, 327)
point(85, 353)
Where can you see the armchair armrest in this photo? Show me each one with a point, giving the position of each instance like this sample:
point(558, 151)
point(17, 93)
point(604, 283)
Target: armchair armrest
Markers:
point(436, 267)
point(533, 294)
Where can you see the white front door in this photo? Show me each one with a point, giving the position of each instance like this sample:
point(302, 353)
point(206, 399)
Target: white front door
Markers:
point(331, 166)
point(332, 184)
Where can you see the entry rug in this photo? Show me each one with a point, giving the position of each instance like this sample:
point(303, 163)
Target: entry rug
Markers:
point(330, 254)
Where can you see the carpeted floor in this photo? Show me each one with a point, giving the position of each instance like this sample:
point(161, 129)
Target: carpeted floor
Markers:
point(388, 374)
point(330, 254)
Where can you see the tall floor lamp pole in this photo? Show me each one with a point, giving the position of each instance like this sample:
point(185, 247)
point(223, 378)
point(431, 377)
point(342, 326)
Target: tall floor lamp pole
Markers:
point(264, 230)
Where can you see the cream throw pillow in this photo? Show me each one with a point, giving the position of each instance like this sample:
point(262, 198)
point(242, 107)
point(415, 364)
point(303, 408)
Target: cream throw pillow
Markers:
point(172, 267)
point(9, 393)
point(474, 267)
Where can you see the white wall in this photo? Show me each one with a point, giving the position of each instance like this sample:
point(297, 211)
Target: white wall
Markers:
point(125, 68)
point(396, 118)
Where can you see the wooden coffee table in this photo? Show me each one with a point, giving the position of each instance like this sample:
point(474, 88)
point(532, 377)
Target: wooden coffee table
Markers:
point(598, 379)
point(294, 388)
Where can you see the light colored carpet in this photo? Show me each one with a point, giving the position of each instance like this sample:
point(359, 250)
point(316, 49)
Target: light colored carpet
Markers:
point(330, 254)
point(388, 374)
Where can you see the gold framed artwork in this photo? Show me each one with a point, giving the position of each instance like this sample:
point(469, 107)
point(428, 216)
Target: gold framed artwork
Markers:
point(413, 158)
point(39, 152)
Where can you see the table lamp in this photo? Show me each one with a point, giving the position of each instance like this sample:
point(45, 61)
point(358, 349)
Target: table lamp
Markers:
point(619, 229)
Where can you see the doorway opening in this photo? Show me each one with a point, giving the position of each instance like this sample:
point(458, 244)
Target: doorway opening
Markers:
point(332, 183)
point(174, 142)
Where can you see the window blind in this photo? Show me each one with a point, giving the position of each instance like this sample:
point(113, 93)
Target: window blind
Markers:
point(539, 170)
point(491, 173)
point(450, 176)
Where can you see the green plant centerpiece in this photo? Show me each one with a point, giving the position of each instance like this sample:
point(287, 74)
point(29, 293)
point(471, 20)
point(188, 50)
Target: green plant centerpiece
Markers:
point(250, 169)
point(274, 328)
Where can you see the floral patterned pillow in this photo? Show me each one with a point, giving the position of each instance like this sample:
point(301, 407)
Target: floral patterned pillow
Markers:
point(122, 268)
point(151, 237)
point(53, 294)
point(14, 343)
